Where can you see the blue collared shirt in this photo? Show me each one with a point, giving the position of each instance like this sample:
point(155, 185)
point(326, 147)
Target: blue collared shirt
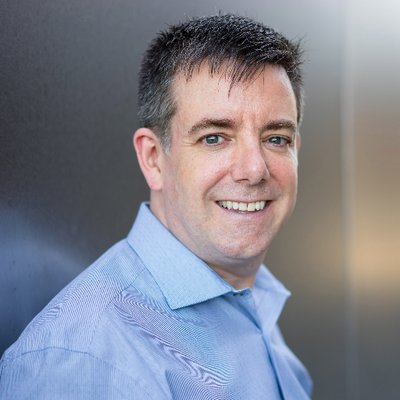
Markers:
point(150, 320)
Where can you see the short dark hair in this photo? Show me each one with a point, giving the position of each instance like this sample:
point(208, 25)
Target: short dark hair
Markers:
point(239, 44)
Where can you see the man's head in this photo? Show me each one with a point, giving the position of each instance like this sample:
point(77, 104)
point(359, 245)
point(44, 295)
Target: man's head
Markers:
point(226, 178)
point(239, 46)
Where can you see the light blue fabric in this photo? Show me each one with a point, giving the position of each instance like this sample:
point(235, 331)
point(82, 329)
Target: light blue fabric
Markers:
point(150, 320)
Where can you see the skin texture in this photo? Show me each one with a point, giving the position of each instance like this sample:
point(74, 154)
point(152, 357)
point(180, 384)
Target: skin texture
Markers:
point(236, 143)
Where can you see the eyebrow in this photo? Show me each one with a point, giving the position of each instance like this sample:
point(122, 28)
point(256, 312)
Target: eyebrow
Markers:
point(280, 124)
point(208, 123)
point(226, 123)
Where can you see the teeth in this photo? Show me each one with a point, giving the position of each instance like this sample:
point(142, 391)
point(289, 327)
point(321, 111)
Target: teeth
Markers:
point(241, 206)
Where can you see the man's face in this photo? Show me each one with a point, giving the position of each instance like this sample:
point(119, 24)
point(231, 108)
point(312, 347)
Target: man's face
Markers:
point(229, 179)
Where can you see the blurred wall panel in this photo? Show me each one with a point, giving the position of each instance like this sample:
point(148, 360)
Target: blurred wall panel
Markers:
point(374, 30)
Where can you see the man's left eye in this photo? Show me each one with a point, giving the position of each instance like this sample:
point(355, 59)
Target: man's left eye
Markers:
point(212, 139)
point(279, 141)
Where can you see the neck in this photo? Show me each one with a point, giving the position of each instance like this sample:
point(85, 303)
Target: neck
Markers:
point(239, 277)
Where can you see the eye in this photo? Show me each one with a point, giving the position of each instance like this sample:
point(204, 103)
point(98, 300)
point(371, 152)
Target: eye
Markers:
point(279, 141)
point(212, 140)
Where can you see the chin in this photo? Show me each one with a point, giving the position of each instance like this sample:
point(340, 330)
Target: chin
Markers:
point(246, 252)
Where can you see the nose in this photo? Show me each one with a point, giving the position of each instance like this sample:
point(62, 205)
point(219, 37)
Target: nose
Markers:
point(249, 164)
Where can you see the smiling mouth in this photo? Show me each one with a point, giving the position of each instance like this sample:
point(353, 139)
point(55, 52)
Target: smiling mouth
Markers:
point(241, 206)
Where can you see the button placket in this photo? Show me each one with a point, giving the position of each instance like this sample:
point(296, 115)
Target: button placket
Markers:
point(246, 302)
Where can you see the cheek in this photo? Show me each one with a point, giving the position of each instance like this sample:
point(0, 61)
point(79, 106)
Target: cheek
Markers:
point(170, 183)
point(199, 174)
point(285, 172)
point(184, 185)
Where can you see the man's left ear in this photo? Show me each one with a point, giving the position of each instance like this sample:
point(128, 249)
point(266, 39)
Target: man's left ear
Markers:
point(148, 150)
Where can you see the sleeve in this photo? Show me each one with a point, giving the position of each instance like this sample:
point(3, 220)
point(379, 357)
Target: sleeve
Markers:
point(61, 374)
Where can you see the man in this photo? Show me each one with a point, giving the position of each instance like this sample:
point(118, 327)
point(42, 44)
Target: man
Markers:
point(183, 308)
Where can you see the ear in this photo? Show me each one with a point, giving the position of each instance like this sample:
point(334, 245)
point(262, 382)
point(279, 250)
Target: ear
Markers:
point(148, 151)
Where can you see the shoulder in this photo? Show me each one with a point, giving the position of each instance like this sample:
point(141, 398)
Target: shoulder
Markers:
point(70, 320)
point(82, 343)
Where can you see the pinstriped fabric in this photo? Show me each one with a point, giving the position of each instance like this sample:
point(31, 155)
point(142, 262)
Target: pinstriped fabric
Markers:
point(149, 320)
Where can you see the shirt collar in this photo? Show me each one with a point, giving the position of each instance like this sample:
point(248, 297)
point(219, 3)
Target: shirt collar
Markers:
point(268, 290)
point(183, 278)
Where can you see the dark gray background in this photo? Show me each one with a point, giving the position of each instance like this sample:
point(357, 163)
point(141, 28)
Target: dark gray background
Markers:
point(70, 185)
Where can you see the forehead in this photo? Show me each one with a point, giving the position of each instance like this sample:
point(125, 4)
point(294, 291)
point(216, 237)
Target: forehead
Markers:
point(267, 93)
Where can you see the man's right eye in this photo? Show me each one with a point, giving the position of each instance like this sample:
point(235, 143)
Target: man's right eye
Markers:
point(212, 140)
